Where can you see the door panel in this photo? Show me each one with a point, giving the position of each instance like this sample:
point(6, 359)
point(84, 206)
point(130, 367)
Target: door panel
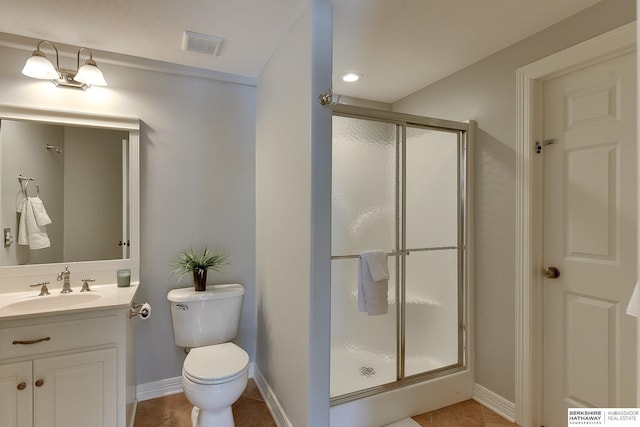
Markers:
point(16, 406)
point(592, 198)
point(78, 390)
point(590, 235)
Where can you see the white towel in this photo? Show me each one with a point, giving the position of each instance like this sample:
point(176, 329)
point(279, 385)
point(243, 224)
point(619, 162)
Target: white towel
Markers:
point(29, 233)
point(373, 283)
point(633, 308)
point(39, 211)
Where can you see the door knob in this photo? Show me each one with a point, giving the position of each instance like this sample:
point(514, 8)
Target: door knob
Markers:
point(39, 383)
point(22, 385)
point(551, 272)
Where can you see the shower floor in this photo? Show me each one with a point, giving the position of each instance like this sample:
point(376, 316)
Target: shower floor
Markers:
point(354, 368)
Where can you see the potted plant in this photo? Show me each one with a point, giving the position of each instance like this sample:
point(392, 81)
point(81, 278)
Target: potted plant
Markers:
point(190, 261)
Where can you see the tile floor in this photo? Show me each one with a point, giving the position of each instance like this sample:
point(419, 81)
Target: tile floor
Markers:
point(175, 411)
point(464, 414)
point(251, 411)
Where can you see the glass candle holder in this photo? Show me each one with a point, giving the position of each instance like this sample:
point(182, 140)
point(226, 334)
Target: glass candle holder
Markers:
point(124, 278)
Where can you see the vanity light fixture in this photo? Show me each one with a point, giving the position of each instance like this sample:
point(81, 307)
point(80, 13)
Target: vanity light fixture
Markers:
point(39, 67)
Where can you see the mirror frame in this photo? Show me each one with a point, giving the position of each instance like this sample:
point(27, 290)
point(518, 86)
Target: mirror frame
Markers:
point(104, 269)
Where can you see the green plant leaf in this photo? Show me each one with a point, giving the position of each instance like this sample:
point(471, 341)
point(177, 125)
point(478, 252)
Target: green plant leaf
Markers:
point(190, 260)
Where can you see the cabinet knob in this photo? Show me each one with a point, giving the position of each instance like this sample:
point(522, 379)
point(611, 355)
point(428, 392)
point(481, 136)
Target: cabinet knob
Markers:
point(22, 385)
point(40, 382)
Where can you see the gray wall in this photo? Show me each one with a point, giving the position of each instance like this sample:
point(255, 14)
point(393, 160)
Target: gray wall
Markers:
point(486, 92)
point(197, 164)
point(293, 202)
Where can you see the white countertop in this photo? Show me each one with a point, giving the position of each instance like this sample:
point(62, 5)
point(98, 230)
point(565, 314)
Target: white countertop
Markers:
point(22, 305)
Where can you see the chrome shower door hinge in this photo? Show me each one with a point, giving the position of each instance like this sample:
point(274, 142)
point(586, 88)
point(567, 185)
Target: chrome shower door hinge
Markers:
point(325, 98)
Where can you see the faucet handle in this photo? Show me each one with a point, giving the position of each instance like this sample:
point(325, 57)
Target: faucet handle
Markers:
point(43, 290)
point(64, 273)
point(85, 285)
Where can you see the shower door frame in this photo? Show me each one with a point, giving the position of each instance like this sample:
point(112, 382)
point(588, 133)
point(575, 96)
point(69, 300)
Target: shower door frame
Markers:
point(464, 133)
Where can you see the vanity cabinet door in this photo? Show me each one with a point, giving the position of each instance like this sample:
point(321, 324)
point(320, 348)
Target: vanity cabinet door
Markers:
point(76, 390)
point(16, 408)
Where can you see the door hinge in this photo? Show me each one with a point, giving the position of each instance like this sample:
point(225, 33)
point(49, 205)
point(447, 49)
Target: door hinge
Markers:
point(544, 144)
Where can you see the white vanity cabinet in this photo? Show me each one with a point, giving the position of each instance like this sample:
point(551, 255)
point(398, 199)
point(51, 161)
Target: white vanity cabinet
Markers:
point(16, 402)
point(69, 370)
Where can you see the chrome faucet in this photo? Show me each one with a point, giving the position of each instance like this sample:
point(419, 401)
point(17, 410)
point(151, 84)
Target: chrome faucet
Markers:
point(65, 275)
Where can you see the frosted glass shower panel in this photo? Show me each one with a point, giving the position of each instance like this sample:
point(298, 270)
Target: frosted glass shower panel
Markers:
point(363, 189)
point(363, 347)
point(431, 188)
point(432, 311)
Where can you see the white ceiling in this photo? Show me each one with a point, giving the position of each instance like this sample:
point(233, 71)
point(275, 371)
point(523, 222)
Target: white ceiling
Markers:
point(399, 46)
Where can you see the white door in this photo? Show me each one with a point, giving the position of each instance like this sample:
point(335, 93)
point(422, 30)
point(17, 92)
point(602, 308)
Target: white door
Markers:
point(76, 390)
point(590, 236)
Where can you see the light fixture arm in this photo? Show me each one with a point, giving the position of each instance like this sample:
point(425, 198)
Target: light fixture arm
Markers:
point(89, 61)
point(40, 53)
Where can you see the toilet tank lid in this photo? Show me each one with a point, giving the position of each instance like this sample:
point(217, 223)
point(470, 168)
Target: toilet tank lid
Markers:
point(213, 292)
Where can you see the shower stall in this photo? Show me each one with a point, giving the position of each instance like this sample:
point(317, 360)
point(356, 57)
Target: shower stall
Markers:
point(399, 184)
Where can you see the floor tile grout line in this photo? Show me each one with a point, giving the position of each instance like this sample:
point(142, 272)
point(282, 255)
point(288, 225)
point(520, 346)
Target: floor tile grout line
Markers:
point(484, 419)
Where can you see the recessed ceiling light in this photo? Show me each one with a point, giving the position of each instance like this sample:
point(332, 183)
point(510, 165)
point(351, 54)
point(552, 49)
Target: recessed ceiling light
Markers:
point(350, 77)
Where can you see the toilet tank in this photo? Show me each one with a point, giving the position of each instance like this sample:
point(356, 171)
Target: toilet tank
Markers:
point(205, 318)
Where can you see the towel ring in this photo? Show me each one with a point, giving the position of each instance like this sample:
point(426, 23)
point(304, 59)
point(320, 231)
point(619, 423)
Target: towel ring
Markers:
point(25, 189)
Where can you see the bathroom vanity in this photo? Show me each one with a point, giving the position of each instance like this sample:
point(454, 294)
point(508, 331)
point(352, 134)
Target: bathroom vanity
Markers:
point(70, 366)
point(68, 359)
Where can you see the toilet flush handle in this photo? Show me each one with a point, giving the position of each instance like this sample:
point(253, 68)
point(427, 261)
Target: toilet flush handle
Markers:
point(182, 307)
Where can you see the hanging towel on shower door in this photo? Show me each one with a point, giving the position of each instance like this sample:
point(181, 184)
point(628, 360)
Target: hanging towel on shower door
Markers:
point(373, 283)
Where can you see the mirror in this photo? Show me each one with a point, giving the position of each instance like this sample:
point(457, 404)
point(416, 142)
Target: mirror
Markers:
point(67, 185)
point(73, 177)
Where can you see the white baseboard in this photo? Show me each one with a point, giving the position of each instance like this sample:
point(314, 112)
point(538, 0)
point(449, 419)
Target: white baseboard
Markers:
point(271, 400)
point(166, 387)
point(495, 402)
point(160, 388)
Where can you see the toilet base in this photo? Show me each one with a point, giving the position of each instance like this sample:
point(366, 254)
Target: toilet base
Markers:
point(222, 418)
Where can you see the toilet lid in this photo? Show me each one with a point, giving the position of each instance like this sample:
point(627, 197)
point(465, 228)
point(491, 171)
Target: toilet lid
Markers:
point(215, 363)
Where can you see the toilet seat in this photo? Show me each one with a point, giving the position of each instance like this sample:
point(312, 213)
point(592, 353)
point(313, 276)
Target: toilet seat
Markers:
point(215, 364)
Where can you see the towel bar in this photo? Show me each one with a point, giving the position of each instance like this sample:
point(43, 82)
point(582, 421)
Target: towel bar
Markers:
point(405, 252)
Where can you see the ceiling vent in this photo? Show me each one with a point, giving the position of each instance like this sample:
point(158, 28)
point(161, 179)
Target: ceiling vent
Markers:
point(201, 43)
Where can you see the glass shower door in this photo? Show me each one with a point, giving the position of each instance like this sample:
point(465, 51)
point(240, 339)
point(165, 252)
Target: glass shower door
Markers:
point(432, 245)
point(363, 353)
point(397, 187)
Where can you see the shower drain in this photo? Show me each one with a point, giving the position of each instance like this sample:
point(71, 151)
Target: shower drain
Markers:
point(367, 371)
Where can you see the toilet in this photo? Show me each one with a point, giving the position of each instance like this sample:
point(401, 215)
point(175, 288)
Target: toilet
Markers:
point(215, 371)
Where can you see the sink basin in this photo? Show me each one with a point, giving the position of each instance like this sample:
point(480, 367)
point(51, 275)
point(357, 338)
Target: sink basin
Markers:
point(51, 302)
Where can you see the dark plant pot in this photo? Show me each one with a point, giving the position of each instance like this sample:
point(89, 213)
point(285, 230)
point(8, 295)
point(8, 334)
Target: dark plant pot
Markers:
point(200, 280)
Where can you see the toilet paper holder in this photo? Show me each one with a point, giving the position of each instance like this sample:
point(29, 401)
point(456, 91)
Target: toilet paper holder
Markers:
point(144, 311)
